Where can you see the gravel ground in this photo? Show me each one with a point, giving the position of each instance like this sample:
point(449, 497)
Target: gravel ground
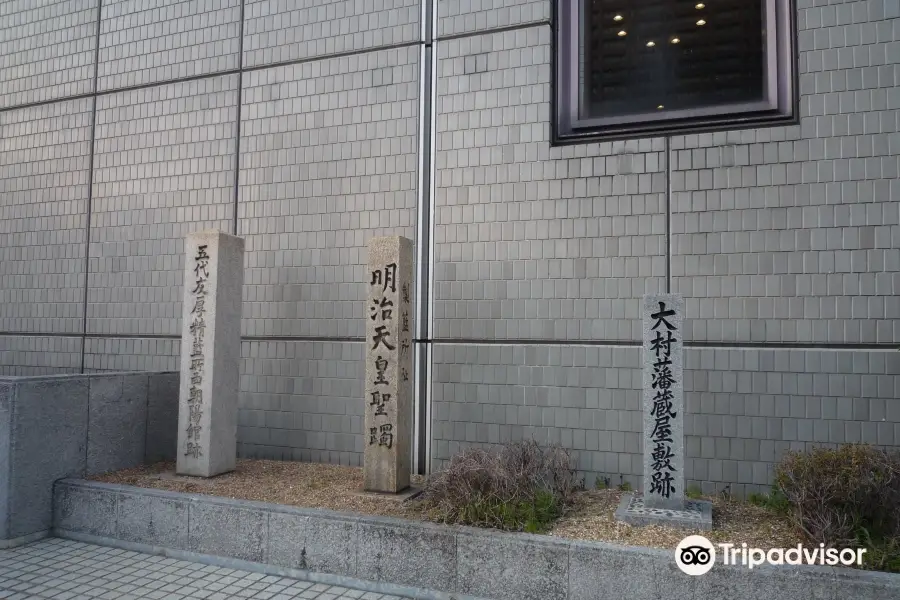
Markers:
point(311, 485)
point(591, 518)
point(335, 487)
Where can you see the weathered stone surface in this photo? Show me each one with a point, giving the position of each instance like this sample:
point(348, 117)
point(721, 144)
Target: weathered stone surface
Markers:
point(6, 400)
point(85, 509)
point(312, 544)
point(389, 372)
point(162, 417)
point(511, 567)
point(58, 426)
point(721, 581)
point(422, 556)
point(663, 372)
point(230, 531)
point(117, 422)
point(491, 564)
point(210, 353)
point(48, 442)
point(153, 520)
point(598, 572)
point(853, 583)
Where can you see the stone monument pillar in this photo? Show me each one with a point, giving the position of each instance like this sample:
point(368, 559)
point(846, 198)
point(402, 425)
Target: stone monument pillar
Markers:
point(663, 500)
point(663, 403)
point(388, 399)
point(210, 353)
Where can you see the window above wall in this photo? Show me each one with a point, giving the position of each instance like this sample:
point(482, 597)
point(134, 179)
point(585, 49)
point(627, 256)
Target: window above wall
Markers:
point(627, 68)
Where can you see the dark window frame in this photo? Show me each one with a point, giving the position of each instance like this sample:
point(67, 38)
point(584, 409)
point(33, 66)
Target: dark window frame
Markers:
point(780, 106)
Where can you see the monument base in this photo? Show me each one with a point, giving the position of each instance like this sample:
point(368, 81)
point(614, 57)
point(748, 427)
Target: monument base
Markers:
point(402, 496)
point(697, 514)
point(186, 478)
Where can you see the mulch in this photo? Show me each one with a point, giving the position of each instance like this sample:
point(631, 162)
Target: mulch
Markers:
point(339, 488)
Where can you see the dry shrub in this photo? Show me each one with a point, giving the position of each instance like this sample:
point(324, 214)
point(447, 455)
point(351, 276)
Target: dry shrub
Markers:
point(520, 486)
point(846, 497)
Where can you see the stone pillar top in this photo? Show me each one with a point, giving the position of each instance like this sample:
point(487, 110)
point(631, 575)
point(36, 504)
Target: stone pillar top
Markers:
point(206, 233)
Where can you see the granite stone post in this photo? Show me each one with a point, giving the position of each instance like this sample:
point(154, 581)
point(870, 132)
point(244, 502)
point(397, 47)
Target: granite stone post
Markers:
point(663, 501)
point(663, 404)
point(210, 354)
point(388, 399)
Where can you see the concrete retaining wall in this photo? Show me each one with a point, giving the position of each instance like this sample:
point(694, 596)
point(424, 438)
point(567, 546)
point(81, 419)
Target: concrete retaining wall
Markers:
point(420, 560)
point(72, 426)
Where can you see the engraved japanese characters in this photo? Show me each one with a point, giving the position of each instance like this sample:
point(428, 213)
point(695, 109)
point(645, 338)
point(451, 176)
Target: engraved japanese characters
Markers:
point(663, 402)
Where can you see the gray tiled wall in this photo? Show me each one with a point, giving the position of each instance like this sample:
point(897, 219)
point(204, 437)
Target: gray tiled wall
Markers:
point(46, 50)
point(786, 235)
point(131, 354)
point(150, 41)
point(767, 247)
point(302, 401)
point(779, 235)
point(39, 355)
point(328, 160)
point(744, 407)
point(535, 242)
point(163, 167)
point(44, 158)
point(457, 17)
point(585, 398)
point(792, 234)
point(276, 31)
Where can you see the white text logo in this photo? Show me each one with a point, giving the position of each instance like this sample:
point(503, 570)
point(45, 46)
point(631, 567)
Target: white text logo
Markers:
point(696, 555)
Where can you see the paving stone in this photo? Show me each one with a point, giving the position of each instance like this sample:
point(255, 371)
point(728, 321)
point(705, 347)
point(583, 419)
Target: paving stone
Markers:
point(85, 571)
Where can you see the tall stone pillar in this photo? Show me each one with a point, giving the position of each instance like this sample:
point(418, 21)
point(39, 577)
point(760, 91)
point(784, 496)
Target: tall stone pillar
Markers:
point(210, 353)
point(663, 501)
point(388, 399)
point(663, 336)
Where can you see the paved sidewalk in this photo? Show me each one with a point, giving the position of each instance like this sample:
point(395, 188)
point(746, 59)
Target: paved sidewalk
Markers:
point(63, 569)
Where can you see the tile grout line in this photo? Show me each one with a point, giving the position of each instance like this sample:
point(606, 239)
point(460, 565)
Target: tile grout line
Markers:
point(90, 186)
point(237, 133)
point(668, 214)
point(824, 346)
point(490, 31)
point(210, 75)
point(246, 69)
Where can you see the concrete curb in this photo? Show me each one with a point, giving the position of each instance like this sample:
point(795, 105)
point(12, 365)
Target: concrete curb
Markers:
point(420, 560)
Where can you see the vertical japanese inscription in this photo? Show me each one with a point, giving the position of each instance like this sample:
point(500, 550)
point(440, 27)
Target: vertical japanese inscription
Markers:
point(662, 411)
point(405, 340)
point(663, 402)
point(197, 328)
point(388, 419)
point(384, 282)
